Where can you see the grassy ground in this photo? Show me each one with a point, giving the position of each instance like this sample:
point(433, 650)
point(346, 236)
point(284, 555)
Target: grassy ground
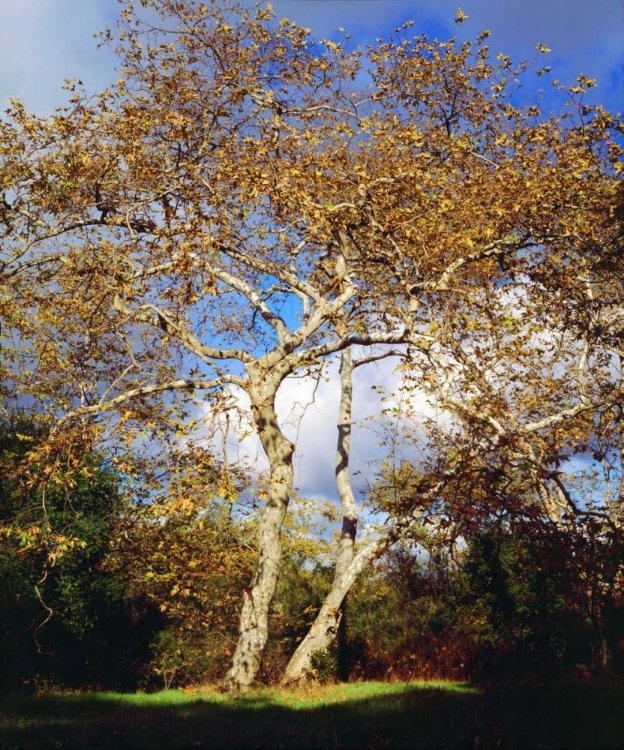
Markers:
point(364, 715)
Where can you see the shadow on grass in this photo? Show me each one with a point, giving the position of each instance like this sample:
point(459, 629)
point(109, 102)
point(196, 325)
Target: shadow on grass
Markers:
point(371, 715)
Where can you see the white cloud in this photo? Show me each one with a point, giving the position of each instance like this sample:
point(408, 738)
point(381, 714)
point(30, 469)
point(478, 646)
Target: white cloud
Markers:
point(43, 42)
point(307, 410)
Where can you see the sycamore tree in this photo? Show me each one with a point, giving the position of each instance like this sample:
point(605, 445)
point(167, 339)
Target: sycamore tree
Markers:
point(246, 204)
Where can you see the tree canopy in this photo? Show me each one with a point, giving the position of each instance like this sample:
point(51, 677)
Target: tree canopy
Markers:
point(247, 203)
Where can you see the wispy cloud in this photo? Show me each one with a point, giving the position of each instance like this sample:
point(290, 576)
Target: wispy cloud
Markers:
point(43, 42)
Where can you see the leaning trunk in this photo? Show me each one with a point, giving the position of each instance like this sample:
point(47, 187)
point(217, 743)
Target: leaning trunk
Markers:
point(325, 627)
point(349, 566)
point(253, 627)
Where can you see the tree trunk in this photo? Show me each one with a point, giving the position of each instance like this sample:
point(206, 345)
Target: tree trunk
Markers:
point(348, 565)
point(253, 627)
point(599, 650)
point(325, 628)
point(617, 512)
point(344, 650)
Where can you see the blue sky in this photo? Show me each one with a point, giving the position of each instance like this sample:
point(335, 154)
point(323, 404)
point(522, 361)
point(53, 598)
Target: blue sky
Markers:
point(43, 42)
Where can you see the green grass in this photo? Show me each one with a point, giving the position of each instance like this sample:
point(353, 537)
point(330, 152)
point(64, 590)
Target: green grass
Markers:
point(361, 715)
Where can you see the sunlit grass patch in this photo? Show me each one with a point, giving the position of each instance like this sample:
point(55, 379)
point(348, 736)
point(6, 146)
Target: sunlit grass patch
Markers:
point(358, 715)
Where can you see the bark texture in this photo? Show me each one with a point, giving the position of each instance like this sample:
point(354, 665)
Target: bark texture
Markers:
point(253, 627)
point(325, 628)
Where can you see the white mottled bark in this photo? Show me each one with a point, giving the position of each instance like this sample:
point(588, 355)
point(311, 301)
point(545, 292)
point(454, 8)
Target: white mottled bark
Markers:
point(253, 627)
point(325, 628)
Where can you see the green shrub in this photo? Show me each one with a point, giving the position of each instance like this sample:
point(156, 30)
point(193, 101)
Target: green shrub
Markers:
point(325, 665)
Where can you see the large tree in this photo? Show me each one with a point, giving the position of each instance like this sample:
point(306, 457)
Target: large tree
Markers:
point(245, 203)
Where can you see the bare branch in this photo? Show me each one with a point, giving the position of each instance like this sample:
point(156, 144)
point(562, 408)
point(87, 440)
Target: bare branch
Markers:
point(163, 320)
point(181, 384)
point(280, 272)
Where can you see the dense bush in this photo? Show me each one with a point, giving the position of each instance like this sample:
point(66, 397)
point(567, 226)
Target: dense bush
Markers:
point(193, 568)
point(510, 608)
point(105, 593)
point(66, 620)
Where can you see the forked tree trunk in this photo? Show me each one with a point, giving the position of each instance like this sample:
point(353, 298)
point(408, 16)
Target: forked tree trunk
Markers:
point(325, 628)
point(253, 627)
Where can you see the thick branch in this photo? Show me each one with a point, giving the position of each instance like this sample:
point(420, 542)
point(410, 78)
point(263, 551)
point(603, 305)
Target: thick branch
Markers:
point(494, 249)
point(162, 319)
point(561, 416)
point(147, 390)
point(355, 339)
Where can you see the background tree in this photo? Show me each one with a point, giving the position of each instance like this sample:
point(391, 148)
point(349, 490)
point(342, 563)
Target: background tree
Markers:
point(162, 555)
point(66, 620)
